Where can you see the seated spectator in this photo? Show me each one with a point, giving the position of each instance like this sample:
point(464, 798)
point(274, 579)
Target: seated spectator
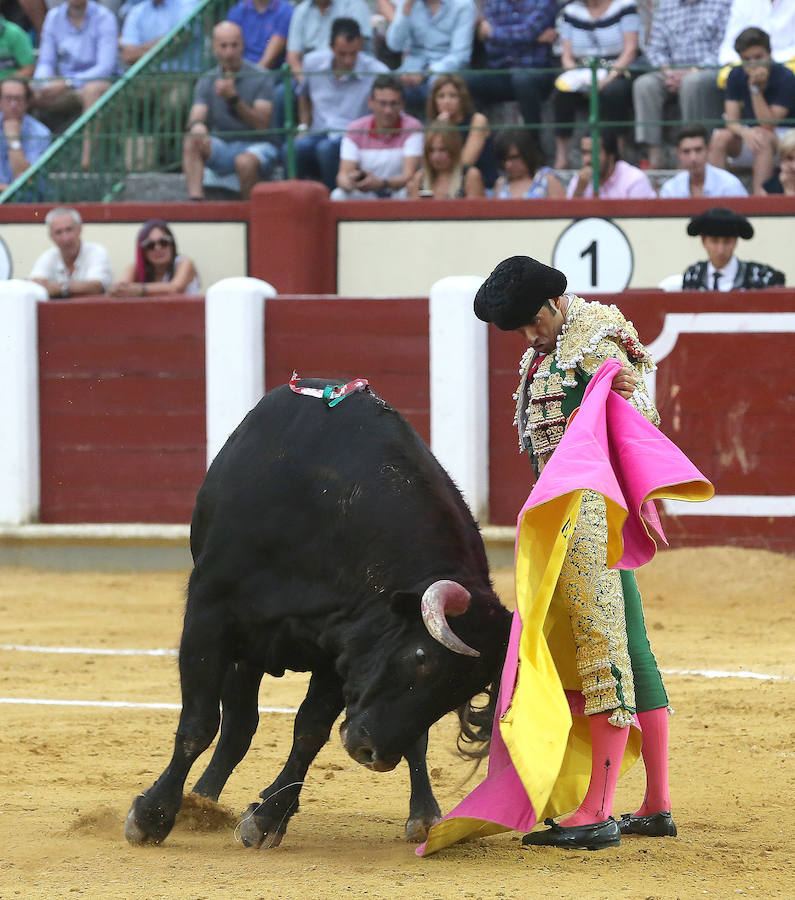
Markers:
point(783, 182)
point(516, 36)
point(761, 92)
point(526, 176)
point(78, 57)
point(698, 178)
point(380, 152)
point(607, 30)
point(73, 267)
point(337, 82)
point(434, 36)
point(682, 34)
point(310, 27)
point(617, 178)
point(443, 175)
point(16, 51)
point(265, 24)
point(450, 101)
point(231, 108)
point(156, 104)
point(23, 139)
point(719, 229)
point(158, 268)
point(776, 17)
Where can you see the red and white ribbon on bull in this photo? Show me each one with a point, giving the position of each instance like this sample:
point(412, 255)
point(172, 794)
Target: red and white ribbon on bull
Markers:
point(331, 395)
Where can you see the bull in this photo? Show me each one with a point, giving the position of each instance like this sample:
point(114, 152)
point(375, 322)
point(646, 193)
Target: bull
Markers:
point(328, 540)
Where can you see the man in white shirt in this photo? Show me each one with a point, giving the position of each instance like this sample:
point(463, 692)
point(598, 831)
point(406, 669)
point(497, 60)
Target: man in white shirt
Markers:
point(719, 229)
point(697, 177)
point(72, 267)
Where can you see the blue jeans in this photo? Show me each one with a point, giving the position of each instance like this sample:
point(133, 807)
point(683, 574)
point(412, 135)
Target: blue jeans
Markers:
point(529, 87)
point(223, 153)
point(318, 155)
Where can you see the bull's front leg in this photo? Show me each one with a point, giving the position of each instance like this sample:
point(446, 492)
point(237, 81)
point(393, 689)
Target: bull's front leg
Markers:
point(423, 809)
point(264, 824)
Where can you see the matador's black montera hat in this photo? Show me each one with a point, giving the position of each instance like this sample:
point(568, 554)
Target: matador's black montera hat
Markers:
point(719, 221)
point(516, 290)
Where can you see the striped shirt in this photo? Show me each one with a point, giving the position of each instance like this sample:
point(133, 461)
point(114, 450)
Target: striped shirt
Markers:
point(382, 154)
point(603, 37)
point(687, 32)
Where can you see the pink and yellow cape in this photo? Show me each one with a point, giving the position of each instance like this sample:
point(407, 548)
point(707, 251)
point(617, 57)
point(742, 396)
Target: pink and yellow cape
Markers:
point(540, 758)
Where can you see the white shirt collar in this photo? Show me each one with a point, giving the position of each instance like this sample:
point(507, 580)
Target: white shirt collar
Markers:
point(728, 274)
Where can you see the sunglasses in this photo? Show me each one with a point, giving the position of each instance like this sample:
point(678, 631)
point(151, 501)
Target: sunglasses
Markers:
point(160, 242)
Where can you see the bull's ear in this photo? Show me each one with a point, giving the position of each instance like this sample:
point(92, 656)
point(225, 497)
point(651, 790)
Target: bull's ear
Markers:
point(406, 603)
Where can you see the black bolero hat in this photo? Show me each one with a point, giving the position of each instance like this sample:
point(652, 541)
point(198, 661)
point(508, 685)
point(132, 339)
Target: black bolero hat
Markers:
point(515, 291)
point(720, 222)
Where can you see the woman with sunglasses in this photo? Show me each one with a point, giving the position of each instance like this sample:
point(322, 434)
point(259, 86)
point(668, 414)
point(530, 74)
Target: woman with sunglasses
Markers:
point(158, 268)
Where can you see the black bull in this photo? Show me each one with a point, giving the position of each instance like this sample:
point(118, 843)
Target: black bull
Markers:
point(327, 540)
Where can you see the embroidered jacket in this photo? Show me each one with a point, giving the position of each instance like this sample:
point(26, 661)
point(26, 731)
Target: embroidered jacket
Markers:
point(750, 276)
point(546, 398)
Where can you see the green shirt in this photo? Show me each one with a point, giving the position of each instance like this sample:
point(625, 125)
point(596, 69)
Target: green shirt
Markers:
point(16, 48)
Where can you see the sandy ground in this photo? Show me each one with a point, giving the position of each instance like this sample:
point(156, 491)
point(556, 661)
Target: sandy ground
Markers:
point(69, 772)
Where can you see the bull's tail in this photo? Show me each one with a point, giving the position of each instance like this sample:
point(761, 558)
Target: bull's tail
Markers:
point(475, 718)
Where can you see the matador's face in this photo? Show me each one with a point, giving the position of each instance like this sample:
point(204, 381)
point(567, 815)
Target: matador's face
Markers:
point(541, 333)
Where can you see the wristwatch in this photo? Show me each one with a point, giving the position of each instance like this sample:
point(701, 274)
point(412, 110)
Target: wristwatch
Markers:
point(65, 289)
point(233, 101)
point(754, 89)
point(15, 144)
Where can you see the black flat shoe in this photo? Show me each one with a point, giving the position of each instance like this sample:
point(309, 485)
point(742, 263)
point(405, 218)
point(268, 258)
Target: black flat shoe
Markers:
point(658, 825)
point(576, 837)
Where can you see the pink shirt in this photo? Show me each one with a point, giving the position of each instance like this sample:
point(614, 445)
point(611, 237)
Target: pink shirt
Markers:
point(382, 154)
point(625, 182)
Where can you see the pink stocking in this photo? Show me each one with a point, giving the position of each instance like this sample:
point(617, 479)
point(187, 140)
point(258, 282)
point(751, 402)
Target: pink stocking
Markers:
point(607, 751)
point(654, 724)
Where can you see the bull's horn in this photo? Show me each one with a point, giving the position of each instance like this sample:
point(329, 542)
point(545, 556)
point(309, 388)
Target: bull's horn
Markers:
point(451, 598)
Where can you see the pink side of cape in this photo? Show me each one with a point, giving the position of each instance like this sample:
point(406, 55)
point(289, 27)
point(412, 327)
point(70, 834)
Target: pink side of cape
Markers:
point(611, 448)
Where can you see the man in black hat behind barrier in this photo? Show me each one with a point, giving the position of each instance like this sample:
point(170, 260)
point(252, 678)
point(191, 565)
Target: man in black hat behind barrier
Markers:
point(568, 340)
point(719, 228)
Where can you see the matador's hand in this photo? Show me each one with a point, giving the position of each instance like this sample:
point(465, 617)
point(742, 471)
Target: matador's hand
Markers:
point(624, 382)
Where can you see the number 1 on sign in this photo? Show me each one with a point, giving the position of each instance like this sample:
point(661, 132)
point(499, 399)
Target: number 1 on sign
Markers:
point(591, 248)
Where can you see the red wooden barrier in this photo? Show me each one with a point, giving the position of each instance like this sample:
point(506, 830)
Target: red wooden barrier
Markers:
point(121, 409)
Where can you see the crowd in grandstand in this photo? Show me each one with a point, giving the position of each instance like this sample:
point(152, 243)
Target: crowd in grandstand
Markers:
point(375, 108)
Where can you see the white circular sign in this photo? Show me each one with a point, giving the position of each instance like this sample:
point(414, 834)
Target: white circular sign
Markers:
point(594, 255)
point(5, 261)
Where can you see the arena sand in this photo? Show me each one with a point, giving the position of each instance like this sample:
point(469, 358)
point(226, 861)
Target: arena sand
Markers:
point(69, 773)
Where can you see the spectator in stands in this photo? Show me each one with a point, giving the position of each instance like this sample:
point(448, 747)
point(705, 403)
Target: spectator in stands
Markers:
point(443, 174)
point(617, 178)
point(310, 27)
point(783, 182)
point(158, 268)
point(380, 152)
point(16, 51)
point(719, 229)
point(607, 30)
point(776, 17)
point(451, 102)
point(331, 98)
point(760, 93)
point(265, 24)
point(231, 108)
point(697, 177)
point(520, 158)
point(145, 25)
point(78, 57)
point(73, 267)
point(682, 34)
point(23, 139)
point(434, 36)
point(516, 35)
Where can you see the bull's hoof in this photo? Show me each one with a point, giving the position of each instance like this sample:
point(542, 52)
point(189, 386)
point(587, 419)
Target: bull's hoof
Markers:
point(253, 833)
point(417, 829)
point(144, 825)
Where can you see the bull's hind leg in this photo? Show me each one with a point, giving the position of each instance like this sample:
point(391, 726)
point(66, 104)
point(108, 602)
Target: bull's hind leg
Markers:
point(423, 809)
point(238, 723)
point(202, 665)
point(264, 824)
